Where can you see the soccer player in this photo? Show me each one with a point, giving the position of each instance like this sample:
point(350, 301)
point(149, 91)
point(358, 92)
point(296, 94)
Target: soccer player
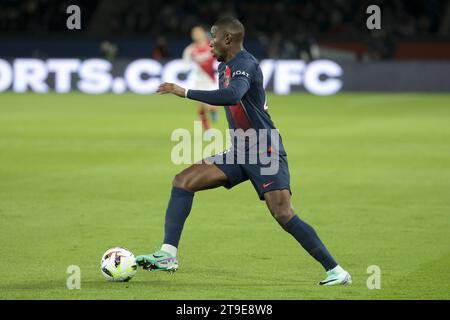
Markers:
point(241, 92)
point(199, 52)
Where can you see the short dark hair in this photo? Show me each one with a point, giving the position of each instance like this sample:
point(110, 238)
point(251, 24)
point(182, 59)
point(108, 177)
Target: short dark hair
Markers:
point(231, 25)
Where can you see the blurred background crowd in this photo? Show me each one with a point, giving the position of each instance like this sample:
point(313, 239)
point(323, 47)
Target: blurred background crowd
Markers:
point(282, 29)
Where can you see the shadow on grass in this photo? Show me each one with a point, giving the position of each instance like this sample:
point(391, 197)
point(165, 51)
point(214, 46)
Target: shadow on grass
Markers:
point(147, 283)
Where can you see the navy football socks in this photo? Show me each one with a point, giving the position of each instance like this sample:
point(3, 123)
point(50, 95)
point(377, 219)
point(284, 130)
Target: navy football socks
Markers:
point(180, 205)
point(310, 241)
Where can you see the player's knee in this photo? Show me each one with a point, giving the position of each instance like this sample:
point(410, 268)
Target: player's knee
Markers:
point(283, 217)
point(281, 212)
point(183, 181)
point(180, 181)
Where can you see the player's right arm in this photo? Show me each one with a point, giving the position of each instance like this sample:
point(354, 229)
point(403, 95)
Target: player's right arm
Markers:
point(238, 86)
point(240, 82)
point(222, 97)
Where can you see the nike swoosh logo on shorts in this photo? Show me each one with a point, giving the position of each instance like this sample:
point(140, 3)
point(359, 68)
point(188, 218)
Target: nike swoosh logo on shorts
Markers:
point(265, 185)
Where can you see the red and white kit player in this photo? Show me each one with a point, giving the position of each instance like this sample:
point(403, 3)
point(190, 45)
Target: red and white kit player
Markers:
point(204, 73)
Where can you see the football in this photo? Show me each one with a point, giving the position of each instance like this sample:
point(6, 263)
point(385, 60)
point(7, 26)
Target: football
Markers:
point(118, 264)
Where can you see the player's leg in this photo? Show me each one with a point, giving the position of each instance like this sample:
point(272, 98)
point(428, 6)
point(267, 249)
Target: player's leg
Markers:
point(200, 176)
point(274, 188)
point(213, 111)
point(279, 204)
point(202, 113)
point(208, 84)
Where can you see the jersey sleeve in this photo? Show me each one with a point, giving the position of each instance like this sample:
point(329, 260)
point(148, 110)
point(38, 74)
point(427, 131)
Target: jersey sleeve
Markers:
point(244, 72)
point(241, 78)
point(223, 97)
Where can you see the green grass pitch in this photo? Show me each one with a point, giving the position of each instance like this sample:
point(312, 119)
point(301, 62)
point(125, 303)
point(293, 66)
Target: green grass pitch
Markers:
point(80, 174)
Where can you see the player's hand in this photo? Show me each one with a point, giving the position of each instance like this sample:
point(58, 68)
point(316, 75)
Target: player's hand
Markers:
point(171, 88)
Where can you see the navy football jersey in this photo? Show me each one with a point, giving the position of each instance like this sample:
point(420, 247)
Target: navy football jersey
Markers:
point(242, 93)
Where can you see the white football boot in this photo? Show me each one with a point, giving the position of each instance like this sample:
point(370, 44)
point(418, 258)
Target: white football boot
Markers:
point(336, 276)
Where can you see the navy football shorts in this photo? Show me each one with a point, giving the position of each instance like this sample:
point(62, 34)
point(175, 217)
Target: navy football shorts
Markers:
point(263, 182)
